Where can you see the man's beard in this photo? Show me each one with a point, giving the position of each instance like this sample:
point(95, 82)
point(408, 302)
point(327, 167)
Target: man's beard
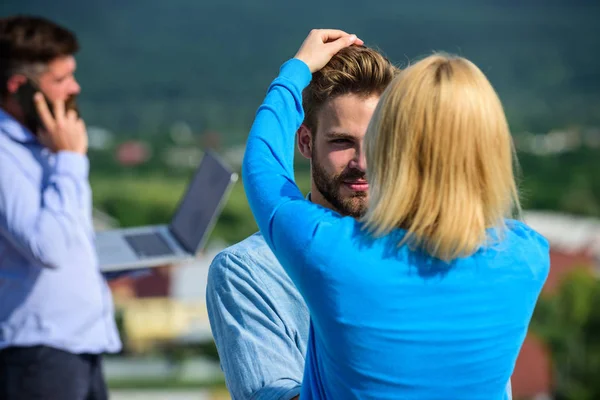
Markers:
point(330, 185)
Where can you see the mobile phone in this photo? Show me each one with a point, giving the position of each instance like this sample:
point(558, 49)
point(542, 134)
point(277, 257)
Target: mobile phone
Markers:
point(25, 98)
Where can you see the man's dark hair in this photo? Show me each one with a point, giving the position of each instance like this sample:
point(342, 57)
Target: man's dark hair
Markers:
point(28, 41)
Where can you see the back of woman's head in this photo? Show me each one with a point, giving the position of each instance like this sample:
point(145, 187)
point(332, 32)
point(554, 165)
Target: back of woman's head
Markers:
point(440, 158)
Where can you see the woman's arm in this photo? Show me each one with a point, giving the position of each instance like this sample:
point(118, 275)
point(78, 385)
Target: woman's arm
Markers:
point(289, 223)
point(267, 169)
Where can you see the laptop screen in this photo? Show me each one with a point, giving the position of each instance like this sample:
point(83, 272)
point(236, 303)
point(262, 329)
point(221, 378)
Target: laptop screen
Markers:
point(202, 202)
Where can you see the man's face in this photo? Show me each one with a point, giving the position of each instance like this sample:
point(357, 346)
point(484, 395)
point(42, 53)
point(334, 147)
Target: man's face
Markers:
point(58, 81)
point(338, 159)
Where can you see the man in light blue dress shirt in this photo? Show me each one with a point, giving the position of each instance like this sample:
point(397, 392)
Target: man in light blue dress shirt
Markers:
point(56, 310)
point(259, 321)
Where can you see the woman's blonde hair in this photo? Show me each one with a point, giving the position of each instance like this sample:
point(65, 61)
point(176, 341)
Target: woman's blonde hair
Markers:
point(440, 159)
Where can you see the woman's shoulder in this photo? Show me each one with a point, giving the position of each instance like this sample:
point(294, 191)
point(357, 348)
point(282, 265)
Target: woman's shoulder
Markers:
point(519, 230)
point(523, 245)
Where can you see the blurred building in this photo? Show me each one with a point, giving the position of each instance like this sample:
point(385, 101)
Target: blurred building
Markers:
point(132, 153)
point(99, 138)
point(558, 141)
point(167, 304)
point(574, 243)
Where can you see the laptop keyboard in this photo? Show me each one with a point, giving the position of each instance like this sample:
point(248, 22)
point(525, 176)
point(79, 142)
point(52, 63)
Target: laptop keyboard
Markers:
point(150, 244)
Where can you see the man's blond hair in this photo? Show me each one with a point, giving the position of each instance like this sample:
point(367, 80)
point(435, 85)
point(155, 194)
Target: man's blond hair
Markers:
point(355, 70)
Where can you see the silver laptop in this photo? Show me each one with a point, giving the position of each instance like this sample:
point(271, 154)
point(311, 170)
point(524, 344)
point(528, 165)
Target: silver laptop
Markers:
point(184, 236)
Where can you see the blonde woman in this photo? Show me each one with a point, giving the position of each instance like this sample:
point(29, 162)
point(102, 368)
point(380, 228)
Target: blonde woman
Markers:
point(429, 295)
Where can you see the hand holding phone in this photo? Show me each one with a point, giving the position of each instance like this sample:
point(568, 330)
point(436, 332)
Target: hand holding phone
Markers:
point(63, 129)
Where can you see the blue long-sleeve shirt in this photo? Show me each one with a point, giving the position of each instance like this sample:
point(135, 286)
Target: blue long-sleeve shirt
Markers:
point(259, 321)
point(387, 322)
point(51, 289)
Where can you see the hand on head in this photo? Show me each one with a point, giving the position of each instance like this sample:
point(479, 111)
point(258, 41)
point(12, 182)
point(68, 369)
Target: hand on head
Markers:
point(322, 44)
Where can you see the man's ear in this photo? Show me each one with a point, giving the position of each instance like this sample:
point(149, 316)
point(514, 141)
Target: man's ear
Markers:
point(305, 141)
point(14, 83)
